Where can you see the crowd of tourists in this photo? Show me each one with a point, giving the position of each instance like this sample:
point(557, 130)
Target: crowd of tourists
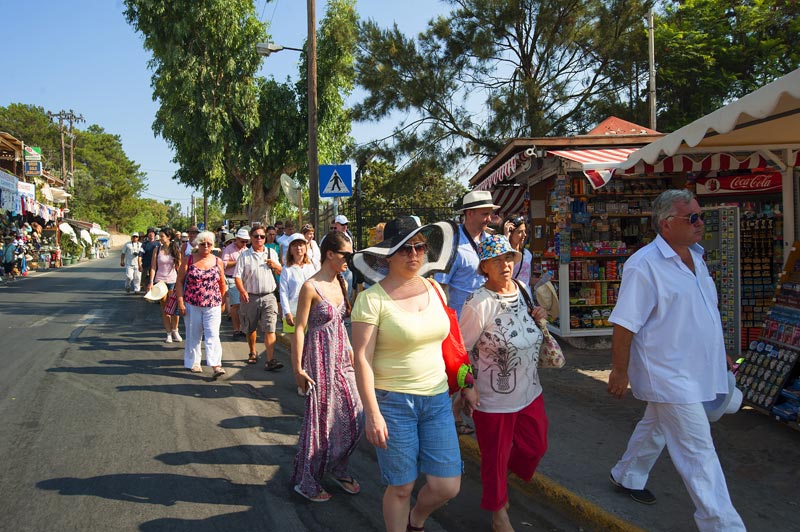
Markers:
point(388, 379)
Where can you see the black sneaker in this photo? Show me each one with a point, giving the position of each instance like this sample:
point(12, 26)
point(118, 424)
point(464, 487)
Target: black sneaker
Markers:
point(643, 496)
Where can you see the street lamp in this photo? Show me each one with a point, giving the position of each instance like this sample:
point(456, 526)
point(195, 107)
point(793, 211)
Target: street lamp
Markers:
point(265, 49)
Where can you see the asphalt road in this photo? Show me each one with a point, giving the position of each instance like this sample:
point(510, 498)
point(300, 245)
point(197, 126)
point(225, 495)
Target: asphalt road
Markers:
point(104, 430)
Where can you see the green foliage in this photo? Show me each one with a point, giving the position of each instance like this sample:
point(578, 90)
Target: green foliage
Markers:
point(233, 133)
point(710, 52)
point(531, 68)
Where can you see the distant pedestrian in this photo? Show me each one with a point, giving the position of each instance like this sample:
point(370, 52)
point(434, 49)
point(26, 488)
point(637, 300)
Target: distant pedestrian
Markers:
point(9, 258)
point(504, 343)
point(668, 341)
point(131, 260)
point(313, 251)
point(254, 275)
point(201, 288)
point(191, 234)
point(150, 243)
point(298, 270)
point(515, 230)
point(230, 255)
point(165, 263)
point(322, 360)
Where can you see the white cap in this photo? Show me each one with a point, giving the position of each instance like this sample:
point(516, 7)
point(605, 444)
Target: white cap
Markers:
point(340, 219)
point(134, 234)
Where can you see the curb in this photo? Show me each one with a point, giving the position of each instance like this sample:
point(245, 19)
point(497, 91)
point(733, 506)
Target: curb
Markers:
point(543, 487)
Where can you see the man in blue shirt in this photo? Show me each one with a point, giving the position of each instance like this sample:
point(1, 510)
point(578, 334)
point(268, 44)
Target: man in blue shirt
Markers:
point(463, 277)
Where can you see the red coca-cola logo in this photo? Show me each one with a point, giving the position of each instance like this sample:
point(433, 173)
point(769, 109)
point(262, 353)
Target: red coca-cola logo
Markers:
point(755, 182)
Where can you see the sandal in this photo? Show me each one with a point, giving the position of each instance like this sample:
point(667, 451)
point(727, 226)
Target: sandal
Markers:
point(412, 528)
point(219, 371)
point(273, 364)
point(462, 429)
point(353, 489)
point(322, 496)
point(196, 369)
point(253, 358)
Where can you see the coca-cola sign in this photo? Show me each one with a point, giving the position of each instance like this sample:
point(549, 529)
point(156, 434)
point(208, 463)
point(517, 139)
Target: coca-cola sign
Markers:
point(758, 183)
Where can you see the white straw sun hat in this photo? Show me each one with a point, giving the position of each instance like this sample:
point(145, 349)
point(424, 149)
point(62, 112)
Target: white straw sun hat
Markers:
point(157, 292)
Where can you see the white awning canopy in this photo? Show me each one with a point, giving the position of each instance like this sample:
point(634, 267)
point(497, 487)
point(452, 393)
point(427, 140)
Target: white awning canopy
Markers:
point(766, 121)
point(597, 164)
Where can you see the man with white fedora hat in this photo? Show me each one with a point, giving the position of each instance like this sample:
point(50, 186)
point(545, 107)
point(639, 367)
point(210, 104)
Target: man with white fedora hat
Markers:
point(668, 342)
point(463, 277)
point(230, 254)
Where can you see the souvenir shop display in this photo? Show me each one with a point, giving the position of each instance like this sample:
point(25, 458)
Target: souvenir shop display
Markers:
point(768, 374)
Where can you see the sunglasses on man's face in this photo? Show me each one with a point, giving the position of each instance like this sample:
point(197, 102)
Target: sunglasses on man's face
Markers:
point(418, 247)
point(693, 218)
point(258, 236)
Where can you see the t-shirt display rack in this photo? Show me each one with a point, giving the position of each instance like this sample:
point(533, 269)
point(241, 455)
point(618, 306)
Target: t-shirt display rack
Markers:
point(769, 374)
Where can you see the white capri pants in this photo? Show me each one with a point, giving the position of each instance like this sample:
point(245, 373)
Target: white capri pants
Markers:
point(686, 432)
point(133, 278)
point(200, 322)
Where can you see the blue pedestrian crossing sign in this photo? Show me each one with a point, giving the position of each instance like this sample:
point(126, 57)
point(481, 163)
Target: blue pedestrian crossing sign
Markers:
point(335, 180)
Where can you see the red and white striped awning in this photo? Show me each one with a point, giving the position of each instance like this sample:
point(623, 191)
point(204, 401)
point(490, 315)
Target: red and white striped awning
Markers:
point(510, 198)
point(698, 163)
point(598, 165)
point(505, 170)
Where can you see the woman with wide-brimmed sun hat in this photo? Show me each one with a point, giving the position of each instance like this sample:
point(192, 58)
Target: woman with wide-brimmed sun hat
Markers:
point(399, 324)
point(322, 360)
point(504, 341)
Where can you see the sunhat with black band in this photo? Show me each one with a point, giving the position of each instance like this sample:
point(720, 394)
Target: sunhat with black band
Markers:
point(477, 199)
point(440, 238)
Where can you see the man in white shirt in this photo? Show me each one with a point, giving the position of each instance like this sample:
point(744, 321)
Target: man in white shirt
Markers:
point(131, 260)
point(192, 232)
point(283, 240)
point(668, 341)
point(254, 276)
point(230, 256)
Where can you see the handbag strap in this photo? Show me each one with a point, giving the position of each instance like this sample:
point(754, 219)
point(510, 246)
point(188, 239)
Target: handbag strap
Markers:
point(437, 292)
point(525, 295)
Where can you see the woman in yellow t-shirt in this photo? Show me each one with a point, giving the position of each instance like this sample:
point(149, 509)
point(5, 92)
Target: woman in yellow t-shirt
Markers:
point(398, 325)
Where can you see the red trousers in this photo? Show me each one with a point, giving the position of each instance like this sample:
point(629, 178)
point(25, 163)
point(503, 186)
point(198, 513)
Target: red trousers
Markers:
point(512, 442)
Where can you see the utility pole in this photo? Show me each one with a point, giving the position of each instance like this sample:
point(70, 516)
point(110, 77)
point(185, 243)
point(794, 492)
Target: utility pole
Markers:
point(61, 115)
point(72, 118)
point(651, 49)
point(313, 156)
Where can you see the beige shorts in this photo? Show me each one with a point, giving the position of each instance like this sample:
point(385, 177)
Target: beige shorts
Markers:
point(261, 313)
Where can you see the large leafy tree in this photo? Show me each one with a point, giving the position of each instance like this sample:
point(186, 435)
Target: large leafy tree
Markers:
point(234, 133)
point(709, 52)
point(529, 68)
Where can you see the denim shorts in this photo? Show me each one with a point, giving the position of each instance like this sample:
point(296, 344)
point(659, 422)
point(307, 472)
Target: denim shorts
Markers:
point(422, 437)
point(233, 292)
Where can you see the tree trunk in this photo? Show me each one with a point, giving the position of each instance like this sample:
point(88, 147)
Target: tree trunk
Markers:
point(263, 199)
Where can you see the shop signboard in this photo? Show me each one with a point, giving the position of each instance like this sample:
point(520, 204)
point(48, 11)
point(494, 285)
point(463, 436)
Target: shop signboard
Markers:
point(755, 183)
point(33, 168)
point(8, 182)
point(26, 189)
point(33, 153)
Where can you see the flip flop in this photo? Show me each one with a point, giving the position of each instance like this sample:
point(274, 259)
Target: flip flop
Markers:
point(322, 496)
point(342, 482)
point(196, 369)
point(253, 358)
point(219, 372)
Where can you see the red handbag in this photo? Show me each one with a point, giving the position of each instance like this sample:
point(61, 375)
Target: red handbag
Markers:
point(453, 350)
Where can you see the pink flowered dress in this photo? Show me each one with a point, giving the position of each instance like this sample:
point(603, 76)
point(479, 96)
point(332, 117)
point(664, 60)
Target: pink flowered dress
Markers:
point(334, 418)
point(202, 286)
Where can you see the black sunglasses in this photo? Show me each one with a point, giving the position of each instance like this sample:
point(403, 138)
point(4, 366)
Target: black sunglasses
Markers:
point(347, 255)
point(258, 236)
point(419, 248)
point(692, 217)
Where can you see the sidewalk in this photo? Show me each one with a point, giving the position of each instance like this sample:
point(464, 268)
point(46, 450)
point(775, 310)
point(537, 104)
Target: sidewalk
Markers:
point(589, 431)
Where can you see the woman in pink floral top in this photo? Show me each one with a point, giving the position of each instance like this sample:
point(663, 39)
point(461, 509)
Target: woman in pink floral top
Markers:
point(200, 299)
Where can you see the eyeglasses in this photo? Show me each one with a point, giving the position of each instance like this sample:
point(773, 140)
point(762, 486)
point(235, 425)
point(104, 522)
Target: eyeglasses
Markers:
point(419, 248)
point(692, 217)
point(205, 244)
point(347, 255)
point(258, 236)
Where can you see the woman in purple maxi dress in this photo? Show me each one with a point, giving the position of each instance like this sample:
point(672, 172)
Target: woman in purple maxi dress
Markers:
point(334, 417)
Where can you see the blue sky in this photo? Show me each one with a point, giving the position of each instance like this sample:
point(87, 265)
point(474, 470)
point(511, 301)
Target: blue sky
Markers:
point(84, 56)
